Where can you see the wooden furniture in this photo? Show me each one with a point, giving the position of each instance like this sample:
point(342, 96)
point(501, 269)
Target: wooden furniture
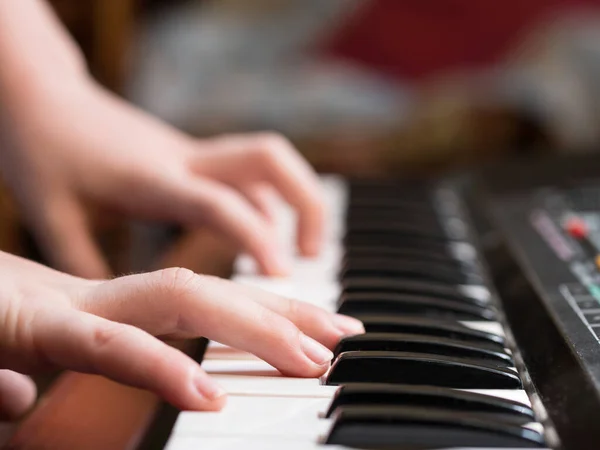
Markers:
point(103, 29)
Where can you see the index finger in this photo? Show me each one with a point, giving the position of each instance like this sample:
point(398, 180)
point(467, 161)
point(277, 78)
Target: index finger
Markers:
point(271, 158)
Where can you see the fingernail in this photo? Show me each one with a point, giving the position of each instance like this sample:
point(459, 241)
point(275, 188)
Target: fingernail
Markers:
point(316, 352)
point(207, 387)
point(347, 324)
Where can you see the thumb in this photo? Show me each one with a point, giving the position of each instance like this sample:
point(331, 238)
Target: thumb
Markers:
point(17, 394)
point(61, 229)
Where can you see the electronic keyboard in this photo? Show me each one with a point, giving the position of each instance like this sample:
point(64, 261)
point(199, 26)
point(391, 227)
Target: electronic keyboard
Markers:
point(482, 324)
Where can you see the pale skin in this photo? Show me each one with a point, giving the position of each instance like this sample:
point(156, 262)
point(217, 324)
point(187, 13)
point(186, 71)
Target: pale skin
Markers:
point(66, 142)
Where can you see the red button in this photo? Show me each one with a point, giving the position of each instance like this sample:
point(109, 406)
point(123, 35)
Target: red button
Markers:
point(576, 228)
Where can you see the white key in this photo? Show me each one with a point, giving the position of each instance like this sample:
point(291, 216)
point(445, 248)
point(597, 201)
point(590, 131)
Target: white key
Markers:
point(286, 417)
point(485, 326)
point(229, 366)
point(463, 251)
point(195, 443)
point(275, 386)
point(516, 395)
point(322, 293)
point(246, 443)
point(476, 292)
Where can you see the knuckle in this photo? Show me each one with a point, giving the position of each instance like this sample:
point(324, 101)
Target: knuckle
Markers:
point(176, 279)
point(220, 207)
point(273, 139)
point(271, 145)
point(109, 334)
point(293, 309)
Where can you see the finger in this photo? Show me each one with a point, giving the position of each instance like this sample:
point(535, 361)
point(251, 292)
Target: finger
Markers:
point(321, 325)
point(17, 394)
point(61, 228)
point(87, 343)
point(178, 303)
point(264, 200)
point(271, 158)
point(200, 201)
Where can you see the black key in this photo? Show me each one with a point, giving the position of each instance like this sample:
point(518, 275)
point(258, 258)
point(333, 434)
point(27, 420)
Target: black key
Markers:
point(415, 343)
point(409, 213)
point(395, 240)
point(379, 427)
point(426, 396)
point(396, 228)
point(381, 199)
point(356, 251)
point(407, 286)
point(417, 270)
point(420, 369)
point(380, 258)
point(432, 327)
point(399, 191)
point(376, 215)
point(405, 304)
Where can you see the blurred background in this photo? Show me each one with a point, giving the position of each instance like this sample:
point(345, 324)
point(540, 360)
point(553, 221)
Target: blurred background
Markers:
point(361, 87)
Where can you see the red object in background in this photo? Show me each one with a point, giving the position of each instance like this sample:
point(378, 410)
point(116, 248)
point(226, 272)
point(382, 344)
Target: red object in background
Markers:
point(576, 228)
point(414, 39)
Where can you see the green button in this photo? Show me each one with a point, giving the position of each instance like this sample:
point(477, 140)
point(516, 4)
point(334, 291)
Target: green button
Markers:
point(595, 291)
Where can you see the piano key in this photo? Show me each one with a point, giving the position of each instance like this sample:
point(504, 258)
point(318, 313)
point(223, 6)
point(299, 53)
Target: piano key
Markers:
point(368, 256)
point(417, 270)
point(420, 368)
point(404, 304)
point(407, 204)
point(270, 443)
point(236, 366)
point(289, 417)
point(367, 226)
point(383, 199)
point(401, 342)
point(373, 250)
point(459, 251)
point(320, 292)
point(275, 386)
point(485, 326)
point(389, 394)
point(463, 251)
point(420, 325)
point(252, 443)
point(410, 215)
point(325, 266)
point(406, 285)
point(391, 240)
point(382, 426)
point(477, 292)
point(395, 196)
point(516, 395)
